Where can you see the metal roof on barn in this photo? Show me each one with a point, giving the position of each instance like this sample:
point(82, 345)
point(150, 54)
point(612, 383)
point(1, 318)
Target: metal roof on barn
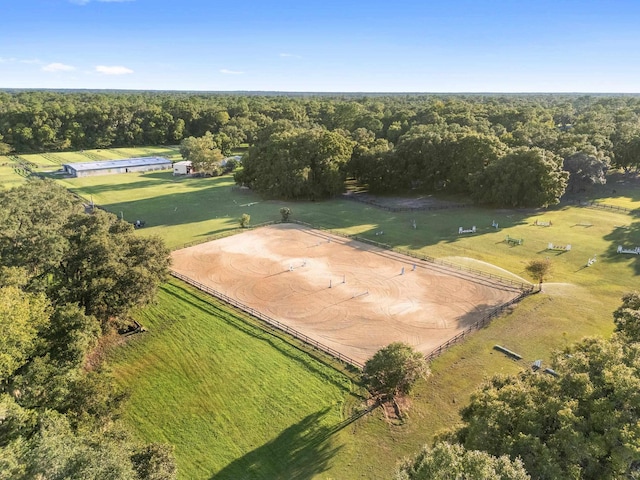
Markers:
point(129, 162)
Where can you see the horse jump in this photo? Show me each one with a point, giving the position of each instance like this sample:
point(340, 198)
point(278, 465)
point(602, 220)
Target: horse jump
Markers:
point(632, 251)
point(563, 248)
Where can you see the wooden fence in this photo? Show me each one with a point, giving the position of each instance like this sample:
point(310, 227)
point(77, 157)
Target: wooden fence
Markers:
point(450, 266)
point(524, 288)
point(270, 321)
point(476, 326)
point(604, 206)
point(218, 236)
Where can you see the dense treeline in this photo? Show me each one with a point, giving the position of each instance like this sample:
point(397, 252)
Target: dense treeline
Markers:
point(66, 278)
point(580, 422)
point(435, 143)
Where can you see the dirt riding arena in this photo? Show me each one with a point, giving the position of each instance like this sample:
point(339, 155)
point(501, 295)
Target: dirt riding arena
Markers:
point(347, 295)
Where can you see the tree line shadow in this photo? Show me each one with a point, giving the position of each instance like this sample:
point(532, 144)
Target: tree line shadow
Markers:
point(301, 451)
point(628, 237)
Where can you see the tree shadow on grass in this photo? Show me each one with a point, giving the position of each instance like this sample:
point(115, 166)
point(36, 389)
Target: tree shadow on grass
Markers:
point(627, 237)
point(301, 451)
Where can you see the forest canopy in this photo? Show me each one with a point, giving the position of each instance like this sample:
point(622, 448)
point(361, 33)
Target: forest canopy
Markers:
point(67, 278)
point(394, 143)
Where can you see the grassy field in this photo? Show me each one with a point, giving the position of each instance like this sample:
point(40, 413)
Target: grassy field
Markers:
point(11, 174)
point(44, 163)
point(182, 396)
point(230, 397)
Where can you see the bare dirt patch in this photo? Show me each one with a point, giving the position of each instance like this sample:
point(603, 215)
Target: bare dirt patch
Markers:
point(419, 202)
point(347, 295)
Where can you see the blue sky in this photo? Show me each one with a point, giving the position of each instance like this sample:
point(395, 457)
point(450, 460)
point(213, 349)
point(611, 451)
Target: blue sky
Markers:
point(322, 46)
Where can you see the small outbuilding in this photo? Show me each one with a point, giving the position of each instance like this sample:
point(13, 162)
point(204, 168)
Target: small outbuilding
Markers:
point(182, 168)
point(110, 167)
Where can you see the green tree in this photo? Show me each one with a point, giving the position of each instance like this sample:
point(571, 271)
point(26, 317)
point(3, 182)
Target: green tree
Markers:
point(244, 220)
point(108, 269)
point(584, 170)
point(285, 213)
point(539, 269)
point(627, 317)
point(203, 153)
point(32, 218)
point(23, 317)
point(5, 148)
point(155, 462)
point(582, 423)
point(60, 420)
point(447, 461)
point(444, 157)
point(57, 452)
point(297, 163)
point(527, 177)
point(71, 335)
point(625, 141)
point(394, 369)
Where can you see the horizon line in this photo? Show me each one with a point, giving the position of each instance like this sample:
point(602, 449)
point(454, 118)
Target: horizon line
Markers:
point(318, 92)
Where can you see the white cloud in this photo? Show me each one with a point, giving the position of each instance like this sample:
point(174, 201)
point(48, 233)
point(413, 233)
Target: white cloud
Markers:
point(113, 70)
point(7, 60)
point(30, 61)
point(58, 67)
point(230, 72)
point(289, 55)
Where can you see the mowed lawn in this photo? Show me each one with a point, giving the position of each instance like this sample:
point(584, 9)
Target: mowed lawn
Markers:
point(233, 399)
point(576, 301)
point(11, 173)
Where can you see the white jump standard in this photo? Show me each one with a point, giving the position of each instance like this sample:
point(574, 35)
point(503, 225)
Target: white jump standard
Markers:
point(514, 241)
point(632, 251)
point(564, 248)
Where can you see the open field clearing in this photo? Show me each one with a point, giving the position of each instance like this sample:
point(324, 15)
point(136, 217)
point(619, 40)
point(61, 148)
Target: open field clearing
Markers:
point(44, 163)
point(9, 176)
point(577, 301)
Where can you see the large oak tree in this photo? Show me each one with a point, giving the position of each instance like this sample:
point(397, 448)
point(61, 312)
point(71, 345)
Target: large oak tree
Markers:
point(298, 163)
point(526, 177)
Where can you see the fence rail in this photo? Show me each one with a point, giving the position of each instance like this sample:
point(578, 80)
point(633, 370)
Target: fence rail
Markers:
point(477, 325)
point(524, 288)
point(605, 206)
point(218, 236)
point(426, 258)
point(270, 321)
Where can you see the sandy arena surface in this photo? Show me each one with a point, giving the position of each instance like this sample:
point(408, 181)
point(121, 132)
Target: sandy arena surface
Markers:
point(295, 275)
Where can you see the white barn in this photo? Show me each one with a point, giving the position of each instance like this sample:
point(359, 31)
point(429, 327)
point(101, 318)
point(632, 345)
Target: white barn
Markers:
point(182, 168)
point(109, 167)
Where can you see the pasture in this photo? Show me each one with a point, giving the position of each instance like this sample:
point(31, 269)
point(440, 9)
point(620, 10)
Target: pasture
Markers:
point(12, 167)
point(576, 301)
point(233, 399)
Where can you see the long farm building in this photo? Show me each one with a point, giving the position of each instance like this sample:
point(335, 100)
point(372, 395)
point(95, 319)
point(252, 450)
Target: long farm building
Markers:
point(109, 167)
